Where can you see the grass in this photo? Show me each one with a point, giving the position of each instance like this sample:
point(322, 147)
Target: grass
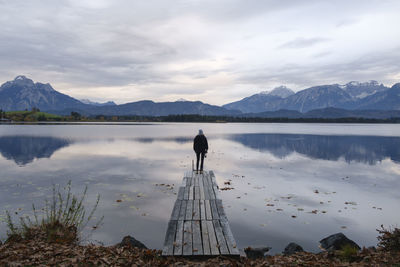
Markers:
point(32, 116)
point(348, 253)
point(63, 219)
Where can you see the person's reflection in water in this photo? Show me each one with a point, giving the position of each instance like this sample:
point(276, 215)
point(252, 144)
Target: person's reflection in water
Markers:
point(200, 146)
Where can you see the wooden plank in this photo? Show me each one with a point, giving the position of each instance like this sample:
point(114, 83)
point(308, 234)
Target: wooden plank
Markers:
point(189, 210)
point(178, 245)
point(213, 179)
point(205, 188)
point(198, 224)
point(187, 238)
point(181, 193)
point(197, 244)
point(202, 210)
point(208, 209)
point(223, 248)
point(188, 173)
point(230, 241)
point(182, 213)
point(210, 188)
point(220, 209)
point(205, 238)
point(214, 247)
point(184, 181)
point(216, 192)
point(191, 192)
point(201, 186)
point(214, 210)
point(176, 210)
point(186, 193)
point(168, 248)
point(197, 192)
point(196, 209)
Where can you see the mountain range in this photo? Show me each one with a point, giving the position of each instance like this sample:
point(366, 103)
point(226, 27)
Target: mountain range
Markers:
point(352, 96)
point(354, 99)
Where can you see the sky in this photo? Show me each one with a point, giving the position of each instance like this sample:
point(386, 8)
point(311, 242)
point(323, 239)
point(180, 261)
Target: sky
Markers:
point(213, 51)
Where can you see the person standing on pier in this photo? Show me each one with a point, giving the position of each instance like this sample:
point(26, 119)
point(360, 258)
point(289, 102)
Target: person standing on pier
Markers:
point(200, 146)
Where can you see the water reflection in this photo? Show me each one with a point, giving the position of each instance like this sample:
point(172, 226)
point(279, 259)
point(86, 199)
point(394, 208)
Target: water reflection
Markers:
point(274, 176)
point(364, 149)
point(179, 140)
point(24, 149)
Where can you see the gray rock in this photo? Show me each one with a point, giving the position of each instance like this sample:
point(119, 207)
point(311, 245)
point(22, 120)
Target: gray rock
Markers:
point(132, 242)
point(256, 253)
point(292, 248)
point(336, 242)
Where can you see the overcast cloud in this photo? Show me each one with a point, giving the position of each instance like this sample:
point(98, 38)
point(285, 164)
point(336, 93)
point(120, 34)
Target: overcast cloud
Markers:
point(213, 51)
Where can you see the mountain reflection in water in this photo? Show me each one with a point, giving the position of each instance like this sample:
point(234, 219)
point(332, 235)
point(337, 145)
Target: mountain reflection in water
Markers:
point(24, 149)
point(364, 149)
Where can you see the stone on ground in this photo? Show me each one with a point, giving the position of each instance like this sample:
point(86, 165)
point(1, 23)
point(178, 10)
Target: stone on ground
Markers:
point(337, 242)
point(132, 242)
point(292, 248)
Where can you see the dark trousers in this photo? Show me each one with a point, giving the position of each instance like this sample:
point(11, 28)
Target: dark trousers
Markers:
point(198, 155)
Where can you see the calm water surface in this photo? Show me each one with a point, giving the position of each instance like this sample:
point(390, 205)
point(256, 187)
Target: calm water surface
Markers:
point(292, 182)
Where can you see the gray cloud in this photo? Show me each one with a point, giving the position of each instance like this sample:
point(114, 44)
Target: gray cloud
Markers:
point(378, 65)
point(303, 42)
point(164, 49)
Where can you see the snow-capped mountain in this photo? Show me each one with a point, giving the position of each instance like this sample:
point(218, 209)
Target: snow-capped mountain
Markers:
point(361, 90)
point(281, 91)
point(89, 102)
point(263, 101)
point(22, 93)
point(353, 95)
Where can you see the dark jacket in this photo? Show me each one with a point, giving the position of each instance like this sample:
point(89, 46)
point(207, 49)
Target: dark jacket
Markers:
point(200, 144)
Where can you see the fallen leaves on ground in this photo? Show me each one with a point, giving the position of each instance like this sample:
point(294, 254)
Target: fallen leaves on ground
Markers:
point(41, 253)
point(226, 188)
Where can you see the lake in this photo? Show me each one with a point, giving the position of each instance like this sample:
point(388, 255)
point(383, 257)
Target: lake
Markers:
point(291, 182)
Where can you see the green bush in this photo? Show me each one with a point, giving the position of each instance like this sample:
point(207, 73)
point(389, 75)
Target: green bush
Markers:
point(63, 220)
point(348, 253)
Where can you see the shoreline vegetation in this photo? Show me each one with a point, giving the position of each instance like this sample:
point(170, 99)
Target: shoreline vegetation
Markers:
point(36, 116)
point(52, 235)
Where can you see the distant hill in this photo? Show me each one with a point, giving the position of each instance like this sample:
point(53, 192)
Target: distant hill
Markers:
point(22, 93)
point(88, 102)
point(383, 100)
point(353, 95)
point(150, 108)
point(354, 99)
point(326, 113)
point(264, 101)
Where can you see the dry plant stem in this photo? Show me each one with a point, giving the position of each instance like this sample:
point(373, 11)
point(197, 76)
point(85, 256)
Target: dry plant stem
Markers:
point(63, 218)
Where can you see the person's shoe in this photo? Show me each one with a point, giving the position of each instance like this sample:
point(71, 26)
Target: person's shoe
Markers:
point(201, 171)
point(197, 172)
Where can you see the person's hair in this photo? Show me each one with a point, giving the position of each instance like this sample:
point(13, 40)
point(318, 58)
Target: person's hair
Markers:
point(201, 131)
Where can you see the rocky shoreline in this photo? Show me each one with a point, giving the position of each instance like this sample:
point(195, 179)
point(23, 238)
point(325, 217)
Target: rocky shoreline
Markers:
point(131, 252)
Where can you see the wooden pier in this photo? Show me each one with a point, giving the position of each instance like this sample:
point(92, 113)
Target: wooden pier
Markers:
point(198, 225)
